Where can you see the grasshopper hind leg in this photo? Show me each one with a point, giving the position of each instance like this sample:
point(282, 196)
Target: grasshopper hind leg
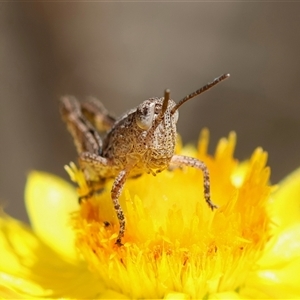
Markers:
point(85, 136)
point(97, 114)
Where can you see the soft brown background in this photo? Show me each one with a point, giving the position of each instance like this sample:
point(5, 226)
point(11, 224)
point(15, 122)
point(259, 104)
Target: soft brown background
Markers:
point(124, 53)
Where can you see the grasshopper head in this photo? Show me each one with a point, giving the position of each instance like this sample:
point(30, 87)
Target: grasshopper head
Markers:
point(153, 111)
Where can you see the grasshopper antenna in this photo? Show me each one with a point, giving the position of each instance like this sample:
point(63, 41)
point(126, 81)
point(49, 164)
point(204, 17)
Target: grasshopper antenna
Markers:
point(163, 109)
point(162, 112)
point(166, 101)
point(200, 91)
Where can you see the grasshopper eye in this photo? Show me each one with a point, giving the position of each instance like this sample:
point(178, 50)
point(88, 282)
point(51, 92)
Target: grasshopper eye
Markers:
point(145, 115)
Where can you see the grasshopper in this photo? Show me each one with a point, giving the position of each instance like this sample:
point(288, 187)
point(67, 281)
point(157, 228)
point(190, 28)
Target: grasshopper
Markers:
point(140, 141)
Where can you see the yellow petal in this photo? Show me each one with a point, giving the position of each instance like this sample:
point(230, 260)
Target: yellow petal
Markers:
point(7, 293)
point(277, 274)
point(239, 173)
point(29, 268)
point(225, 296)
point(279, 283)
point(49, 202)
point(283, 248)
point(110, 294)
point(286, 204)
point(179, 296)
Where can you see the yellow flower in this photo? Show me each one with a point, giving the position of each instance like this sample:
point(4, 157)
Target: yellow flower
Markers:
point(175, 247)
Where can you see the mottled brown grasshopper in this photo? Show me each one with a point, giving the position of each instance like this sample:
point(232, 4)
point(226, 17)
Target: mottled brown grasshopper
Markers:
point(140, 141)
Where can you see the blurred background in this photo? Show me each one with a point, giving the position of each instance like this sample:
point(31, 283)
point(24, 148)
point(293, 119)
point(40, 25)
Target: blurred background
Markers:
point(124, 53)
